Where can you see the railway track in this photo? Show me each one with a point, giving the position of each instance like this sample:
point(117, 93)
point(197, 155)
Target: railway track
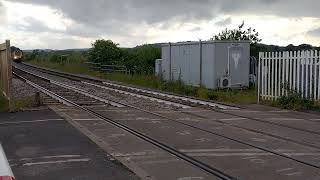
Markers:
point(182, 100)
point(62, 94)
point(185, 102)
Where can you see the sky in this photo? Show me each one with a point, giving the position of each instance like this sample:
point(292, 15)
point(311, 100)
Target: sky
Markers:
point(66, 24)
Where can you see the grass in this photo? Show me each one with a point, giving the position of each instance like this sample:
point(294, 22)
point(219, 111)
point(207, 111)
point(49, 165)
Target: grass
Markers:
point(294, 101)
point(150, 81)
point(19, 105)
point(3, 104)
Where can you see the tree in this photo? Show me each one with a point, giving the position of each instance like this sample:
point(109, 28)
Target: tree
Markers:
point(141, 59)
point(239, 34)
point(105, 52)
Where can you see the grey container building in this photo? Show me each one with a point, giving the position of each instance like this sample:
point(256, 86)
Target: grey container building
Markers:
point(214, 64)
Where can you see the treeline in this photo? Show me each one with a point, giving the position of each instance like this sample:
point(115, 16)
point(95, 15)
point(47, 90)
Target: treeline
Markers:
point(138, 60)
point(63, 56)
point(256, 48)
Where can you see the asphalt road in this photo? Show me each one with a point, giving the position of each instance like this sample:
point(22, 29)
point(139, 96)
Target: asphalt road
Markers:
point(40, 145)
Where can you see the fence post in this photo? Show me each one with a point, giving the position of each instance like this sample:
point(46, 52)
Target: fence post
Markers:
point(258, 77)
point(6, 73)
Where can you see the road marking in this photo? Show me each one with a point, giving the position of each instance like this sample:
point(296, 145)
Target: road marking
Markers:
point(190, 178)
point(232, 119)
point(57, 162)
point(293, 174)
point(134, 154)
point(219, 150)
point(203, 140)
point(249, 154)
point(116, 135)
point(51, 157)
point(34, 121)
point(259, 140)
point(286, 119)
point(184, 133)
point(286, 169)
point(160, 161)
point(91, 119)
point(237, 110)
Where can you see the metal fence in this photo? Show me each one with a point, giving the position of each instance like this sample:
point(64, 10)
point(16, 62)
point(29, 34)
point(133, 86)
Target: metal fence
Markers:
point(281, 72)
point(107, 68)
point(6, 72)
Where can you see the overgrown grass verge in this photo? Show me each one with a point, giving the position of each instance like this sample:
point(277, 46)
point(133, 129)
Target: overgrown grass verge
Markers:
point(150, 81)
point(3, 104)
point(19, 105)
point(294, 101)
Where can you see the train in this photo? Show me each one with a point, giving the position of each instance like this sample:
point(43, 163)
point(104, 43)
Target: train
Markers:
point(16, 54)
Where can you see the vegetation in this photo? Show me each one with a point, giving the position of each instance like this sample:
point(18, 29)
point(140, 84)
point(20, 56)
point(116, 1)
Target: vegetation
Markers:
point(238, 34)
point(140, 62)
point(105, 51)
point(294, 101)
point(3, 104)
point(19, 104)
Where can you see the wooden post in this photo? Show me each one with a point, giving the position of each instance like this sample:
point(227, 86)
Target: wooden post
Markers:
point(6, 73)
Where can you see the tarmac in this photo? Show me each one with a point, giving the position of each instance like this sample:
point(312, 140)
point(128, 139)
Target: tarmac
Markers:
point(41, 145)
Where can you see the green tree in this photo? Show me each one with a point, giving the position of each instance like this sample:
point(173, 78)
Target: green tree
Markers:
point(105, 51)
point(239, 34)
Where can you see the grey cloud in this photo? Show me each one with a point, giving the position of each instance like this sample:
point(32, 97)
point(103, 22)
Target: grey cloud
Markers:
point(104, 18)
point(315, 32)
point(33, 25)
point(154, 11)
point(195, 29)
point(2, 13)
point(224, 22)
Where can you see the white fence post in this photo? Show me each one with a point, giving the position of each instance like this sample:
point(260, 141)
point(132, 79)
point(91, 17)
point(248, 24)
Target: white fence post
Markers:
point(298, 71)
point(259, 77)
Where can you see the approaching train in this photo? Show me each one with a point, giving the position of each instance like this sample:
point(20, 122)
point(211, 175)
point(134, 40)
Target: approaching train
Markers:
point(16, 54)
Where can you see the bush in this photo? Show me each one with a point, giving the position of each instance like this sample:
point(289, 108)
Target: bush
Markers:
point(294, 101)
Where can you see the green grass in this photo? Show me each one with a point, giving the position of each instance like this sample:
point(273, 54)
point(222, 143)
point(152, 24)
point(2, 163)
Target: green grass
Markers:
point(3, 104)
point(150, 81)
point(19, 105)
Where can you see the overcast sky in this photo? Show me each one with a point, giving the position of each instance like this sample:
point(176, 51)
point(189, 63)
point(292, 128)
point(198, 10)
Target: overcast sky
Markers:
point(61, 24)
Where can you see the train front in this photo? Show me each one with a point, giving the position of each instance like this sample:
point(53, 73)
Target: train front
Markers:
point(16, 54)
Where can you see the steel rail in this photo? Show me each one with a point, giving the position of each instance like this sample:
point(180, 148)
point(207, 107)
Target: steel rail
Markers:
point(209, 169)
point(204, 130)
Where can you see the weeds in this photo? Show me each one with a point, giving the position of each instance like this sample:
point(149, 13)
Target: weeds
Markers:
point(151, 81)
point(294, 101)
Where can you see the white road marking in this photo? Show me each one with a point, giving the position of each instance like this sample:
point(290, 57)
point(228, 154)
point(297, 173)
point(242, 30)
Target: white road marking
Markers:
point(218, 150)
point(248, 154)
point(133, 154)
point(57, 162)
point(51, 157)
point(116, 135)
point(34, 121)
point(91, 119)
point(159, 161)
point(239, 110)
point(203, 140)
point(190, 178)
point(293, 174)
point(231, 119)
point(184, 133)
point(286, 169)
point(259, 140)
point(286, 119)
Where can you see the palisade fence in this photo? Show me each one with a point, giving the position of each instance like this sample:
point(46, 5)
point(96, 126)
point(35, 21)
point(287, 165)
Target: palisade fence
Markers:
point(6, 72)
point(281, 72)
